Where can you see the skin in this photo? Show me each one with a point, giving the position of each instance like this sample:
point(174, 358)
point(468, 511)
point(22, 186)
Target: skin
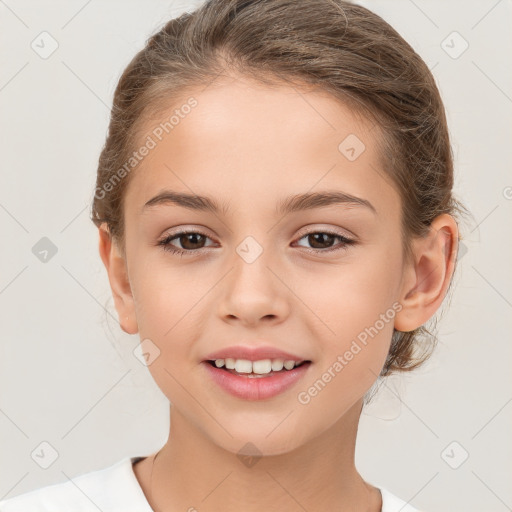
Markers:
point(249, 146)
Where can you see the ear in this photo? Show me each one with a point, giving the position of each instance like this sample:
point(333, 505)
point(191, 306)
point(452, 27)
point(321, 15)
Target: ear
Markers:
point(117, 271)
point(428, 275)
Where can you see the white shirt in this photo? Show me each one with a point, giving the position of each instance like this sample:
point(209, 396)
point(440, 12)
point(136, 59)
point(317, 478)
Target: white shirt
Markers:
point(116, 489)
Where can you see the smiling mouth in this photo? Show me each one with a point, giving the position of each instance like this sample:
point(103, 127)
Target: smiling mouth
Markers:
point(259, 374)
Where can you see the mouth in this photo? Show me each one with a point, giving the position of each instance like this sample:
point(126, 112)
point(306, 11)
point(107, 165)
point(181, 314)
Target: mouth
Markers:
point(256, 369)
point(262, 379)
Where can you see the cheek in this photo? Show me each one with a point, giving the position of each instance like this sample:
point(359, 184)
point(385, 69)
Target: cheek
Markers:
point(359, 308)
point(168, 312)
point(165, 300)
point(353, 295)
point(356, 303)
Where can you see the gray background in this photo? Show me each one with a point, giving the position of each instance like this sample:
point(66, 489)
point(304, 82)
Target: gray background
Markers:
point(68, 376)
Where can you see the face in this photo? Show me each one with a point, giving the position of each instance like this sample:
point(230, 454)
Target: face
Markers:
point(320, 283)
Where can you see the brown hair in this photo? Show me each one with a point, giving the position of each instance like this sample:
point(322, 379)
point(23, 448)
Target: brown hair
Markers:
point(333, 45)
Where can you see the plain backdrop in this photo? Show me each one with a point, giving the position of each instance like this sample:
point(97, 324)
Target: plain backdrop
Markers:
point(69, 382)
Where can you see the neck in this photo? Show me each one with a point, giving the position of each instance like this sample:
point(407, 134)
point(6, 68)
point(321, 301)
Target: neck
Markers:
point(192, 472)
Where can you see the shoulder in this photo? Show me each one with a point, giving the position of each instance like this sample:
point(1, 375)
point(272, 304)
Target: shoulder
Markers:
point(392, 503)
point(111, 489)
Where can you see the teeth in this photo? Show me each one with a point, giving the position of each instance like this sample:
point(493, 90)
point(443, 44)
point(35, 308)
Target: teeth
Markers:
point(289, 364)
point(261, 367)
point(277, 365)
point(243, 366)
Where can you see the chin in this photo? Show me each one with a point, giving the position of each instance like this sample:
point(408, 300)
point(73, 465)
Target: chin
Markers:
point(256, 442)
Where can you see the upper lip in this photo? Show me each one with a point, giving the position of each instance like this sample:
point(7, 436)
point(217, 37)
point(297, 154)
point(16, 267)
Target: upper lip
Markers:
point(253, 353)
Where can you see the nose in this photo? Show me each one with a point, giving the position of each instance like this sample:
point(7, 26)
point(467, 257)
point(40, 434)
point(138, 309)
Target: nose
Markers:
point(254, 292)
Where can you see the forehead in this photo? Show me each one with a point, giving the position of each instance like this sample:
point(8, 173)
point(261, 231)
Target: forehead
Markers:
point(256, 113)
point(244, 139)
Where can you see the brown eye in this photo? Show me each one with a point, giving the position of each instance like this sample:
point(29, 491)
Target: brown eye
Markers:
point(322, 241)
point(319, 240)
point(189, 242)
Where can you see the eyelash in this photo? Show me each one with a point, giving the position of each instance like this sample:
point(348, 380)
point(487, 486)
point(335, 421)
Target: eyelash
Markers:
point(166, 246)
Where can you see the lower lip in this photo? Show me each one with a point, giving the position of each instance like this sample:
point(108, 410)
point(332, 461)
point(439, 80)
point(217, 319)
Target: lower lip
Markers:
point(256, 388)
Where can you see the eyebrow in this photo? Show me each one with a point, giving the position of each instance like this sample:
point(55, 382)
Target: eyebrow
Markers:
point(190, 201)
point(299, 202)
point(313, 200)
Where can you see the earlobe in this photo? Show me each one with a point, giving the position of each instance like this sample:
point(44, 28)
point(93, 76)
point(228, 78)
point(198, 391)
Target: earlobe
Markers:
point(117, 271)
point(428, 276)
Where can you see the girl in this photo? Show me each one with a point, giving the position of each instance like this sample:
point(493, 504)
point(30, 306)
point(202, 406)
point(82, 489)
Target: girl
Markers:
point(275, 213)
